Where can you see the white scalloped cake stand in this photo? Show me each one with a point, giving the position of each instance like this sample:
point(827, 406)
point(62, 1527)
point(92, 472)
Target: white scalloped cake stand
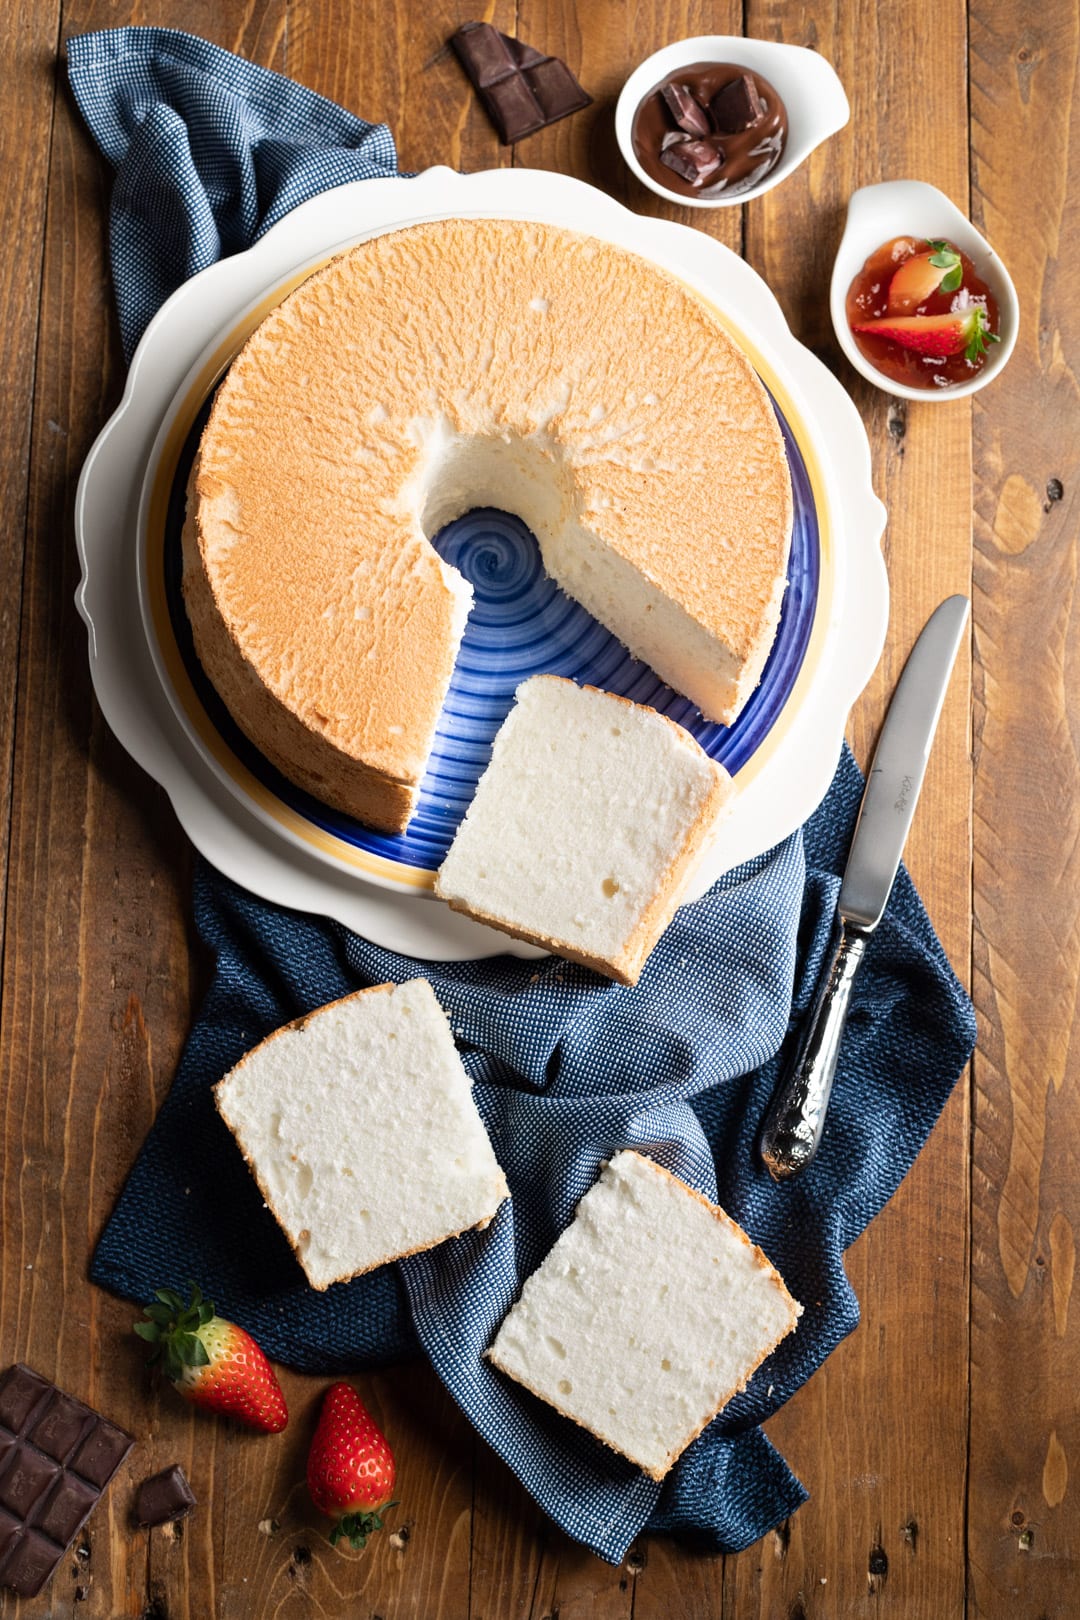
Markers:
point(191, 340)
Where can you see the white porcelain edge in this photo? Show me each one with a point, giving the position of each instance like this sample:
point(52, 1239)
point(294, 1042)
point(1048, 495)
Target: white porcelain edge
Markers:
point(140, 712)
point(914, 207)
point(807, 83)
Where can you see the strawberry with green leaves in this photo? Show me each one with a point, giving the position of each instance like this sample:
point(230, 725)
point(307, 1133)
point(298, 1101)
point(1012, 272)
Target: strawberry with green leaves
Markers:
point(212, 1362)
point(960, 331)
point(350, 1469)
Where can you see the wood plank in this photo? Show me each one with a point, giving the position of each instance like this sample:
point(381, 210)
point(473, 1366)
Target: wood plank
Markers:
point(28, 34)
point(393, 64)
point(883, 1530)
point(1025, 1431)
point(97, 989)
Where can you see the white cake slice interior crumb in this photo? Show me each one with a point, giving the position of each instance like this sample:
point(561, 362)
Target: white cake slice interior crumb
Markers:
point(649, 1313)
point(360, 1127)
point(581, 827)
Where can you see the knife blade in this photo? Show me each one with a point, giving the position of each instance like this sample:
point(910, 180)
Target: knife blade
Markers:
point(796, 1116)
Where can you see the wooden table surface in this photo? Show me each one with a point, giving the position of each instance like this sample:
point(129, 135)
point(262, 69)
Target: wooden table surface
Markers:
point(939, 1442)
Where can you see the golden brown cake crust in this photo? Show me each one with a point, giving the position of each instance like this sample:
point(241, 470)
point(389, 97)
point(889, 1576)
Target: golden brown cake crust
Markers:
point(319, 609)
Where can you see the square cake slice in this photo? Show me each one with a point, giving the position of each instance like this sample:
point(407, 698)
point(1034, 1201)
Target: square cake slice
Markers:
point(651, 1311)
point(585, 826)
point(359, 1124)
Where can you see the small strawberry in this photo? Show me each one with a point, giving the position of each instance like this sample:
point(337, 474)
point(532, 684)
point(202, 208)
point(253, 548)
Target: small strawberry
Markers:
point(212, 1362)
point(939, 269)
point(350, 1469)
point(962, 331)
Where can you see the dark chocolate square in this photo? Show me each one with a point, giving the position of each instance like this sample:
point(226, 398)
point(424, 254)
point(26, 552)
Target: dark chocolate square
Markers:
point(514, 109)
point(67, 1509)
point(25, 1480)
point(31, 1563)
point(60, 1425)
point(556, 89)
point(7, 1441)
point(101, 1453)
point(163, 1497)
point(10, 1531)
point(484, 53)
point(20, 1392)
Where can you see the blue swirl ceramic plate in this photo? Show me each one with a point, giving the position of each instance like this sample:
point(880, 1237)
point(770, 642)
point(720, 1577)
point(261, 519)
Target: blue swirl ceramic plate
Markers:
point(521, 624)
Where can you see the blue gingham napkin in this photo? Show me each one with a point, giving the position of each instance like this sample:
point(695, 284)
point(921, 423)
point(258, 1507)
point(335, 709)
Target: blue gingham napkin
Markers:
point(567, 1068)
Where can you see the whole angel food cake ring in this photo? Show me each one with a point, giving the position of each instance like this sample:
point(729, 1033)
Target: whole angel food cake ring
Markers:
point(458, 364)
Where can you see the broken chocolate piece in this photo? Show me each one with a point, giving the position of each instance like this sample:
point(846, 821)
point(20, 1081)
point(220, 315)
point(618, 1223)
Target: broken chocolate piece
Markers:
point(163, 1498)
point(686, 109)
point(56, 1457)
point(522, 89)
point(693, 161)
point(484, 53)
point(737, 105)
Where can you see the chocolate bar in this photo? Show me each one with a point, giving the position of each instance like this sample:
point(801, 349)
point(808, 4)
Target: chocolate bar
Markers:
point(521, 89)
point(163, 1498)
point(56, 1458)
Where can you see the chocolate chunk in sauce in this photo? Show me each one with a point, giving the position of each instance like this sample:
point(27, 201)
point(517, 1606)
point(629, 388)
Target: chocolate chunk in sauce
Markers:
point(686, 109)
point(737, 106)
point(694, 161)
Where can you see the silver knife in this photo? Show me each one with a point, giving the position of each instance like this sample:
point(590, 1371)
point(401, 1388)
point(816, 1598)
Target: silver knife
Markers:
point(796, 1116)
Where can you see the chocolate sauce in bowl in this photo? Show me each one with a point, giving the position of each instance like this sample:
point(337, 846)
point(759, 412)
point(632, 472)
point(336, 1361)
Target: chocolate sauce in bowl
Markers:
point(749, 153)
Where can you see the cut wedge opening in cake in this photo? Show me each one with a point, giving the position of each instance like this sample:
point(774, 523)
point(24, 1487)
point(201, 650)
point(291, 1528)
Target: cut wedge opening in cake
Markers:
point(533, 479)
point(434, 369)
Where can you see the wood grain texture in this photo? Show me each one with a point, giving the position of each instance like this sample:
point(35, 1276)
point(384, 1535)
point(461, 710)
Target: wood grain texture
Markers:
point(942, 1466)
point(1025, 1453)
point(884, 1466)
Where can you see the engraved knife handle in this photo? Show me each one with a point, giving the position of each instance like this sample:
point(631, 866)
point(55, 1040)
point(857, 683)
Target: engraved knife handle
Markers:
point(796, 1117)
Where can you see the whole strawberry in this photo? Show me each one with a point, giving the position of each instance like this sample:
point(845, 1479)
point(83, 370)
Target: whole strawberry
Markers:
point(350, 1469)
point(212, 1362)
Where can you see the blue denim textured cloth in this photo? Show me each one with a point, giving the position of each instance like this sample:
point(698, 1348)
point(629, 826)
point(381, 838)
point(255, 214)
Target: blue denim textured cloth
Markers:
point(567, 1068)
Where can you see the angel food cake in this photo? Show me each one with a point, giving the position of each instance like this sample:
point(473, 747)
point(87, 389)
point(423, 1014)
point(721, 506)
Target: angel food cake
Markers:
point(651, 1311)
point(585, 826)
point(457, 364)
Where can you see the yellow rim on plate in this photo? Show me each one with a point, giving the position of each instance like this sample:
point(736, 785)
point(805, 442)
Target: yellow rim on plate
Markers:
point(339, 849)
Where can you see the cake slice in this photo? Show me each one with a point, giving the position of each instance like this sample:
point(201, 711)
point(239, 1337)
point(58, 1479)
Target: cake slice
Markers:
point(651, 1311)
point(585, 826)
point(359, 1125)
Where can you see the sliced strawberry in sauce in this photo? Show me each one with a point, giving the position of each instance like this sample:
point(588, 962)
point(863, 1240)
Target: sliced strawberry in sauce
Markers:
point(938, 269)
point(962, 331)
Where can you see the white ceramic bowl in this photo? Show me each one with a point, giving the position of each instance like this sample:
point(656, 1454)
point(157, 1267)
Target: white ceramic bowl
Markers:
point(913, 208)
point(807, 85)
